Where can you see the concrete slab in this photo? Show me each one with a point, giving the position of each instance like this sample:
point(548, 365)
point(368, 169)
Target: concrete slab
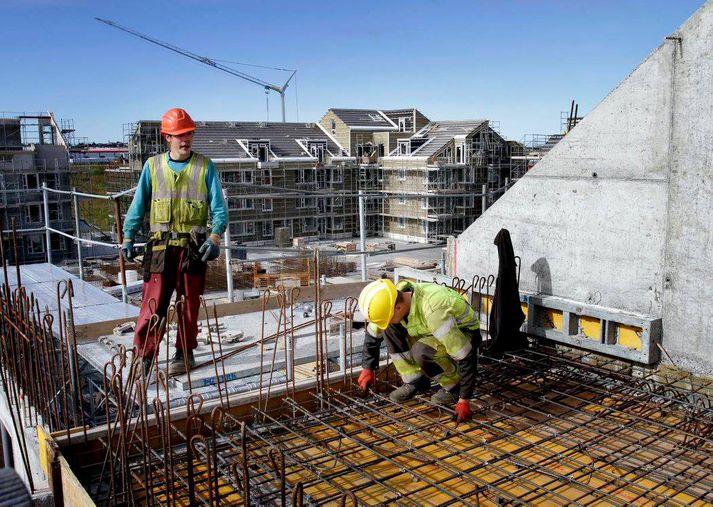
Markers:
point(91, 304)
point(242, 371)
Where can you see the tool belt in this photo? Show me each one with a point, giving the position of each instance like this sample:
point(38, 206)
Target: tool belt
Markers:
point(156, 251)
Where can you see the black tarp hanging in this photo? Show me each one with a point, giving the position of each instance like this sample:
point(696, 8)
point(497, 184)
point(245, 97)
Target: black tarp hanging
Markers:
point(506, 316)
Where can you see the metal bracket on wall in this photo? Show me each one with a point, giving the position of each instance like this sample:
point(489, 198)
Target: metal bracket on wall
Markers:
point(605, 330)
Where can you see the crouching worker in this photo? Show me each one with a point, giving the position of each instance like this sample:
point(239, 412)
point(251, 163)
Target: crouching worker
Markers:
point(431, 333)
point(180, 187)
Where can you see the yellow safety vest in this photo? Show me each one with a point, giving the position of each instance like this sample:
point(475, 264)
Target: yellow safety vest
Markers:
point(179, 200)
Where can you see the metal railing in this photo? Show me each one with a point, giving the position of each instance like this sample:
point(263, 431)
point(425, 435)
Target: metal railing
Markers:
point(486, 196)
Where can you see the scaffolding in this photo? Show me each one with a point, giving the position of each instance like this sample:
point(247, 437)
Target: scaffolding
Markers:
point(33, 151)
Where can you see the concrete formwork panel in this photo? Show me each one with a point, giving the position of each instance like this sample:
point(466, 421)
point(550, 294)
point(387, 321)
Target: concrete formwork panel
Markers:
point(619, 213)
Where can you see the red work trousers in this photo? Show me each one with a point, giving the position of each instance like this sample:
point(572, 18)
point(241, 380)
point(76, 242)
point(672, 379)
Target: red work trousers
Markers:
point(157, 298)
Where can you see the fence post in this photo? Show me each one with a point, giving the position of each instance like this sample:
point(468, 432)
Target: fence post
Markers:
point(75, 203)
point(45, 202)
point(120, 240)
point(484, 199)
point(228, 255)
point(362, 235)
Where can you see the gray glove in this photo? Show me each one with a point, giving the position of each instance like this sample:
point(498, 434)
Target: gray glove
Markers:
point(127, 250)
point(210, 249)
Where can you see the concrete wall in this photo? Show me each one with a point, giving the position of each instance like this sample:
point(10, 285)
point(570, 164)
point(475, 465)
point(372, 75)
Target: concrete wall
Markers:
point(619, 213)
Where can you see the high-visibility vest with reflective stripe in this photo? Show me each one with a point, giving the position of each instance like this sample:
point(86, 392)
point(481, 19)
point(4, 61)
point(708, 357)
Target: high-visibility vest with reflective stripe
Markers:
point(179, 200)
point(442, 313)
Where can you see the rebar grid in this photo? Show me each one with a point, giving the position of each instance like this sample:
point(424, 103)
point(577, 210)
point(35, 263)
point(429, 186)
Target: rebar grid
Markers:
point(553, 428)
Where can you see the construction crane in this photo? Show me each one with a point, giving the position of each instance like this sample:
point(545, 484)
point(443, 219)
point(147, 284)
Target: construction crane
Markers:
point(211, 62)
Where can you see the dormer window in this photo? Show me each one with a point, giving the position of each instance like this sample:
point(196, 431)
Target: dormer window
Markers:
point(317, 149)
point(259, 150)
point(376, 117)
point(405, 147)
point(333, 126)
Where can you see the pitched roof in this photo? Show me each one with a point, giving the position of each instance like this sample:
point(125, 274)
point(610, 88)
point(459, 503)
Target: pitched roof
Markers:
point(218, 139)
point(365, 118)
point(439, 133)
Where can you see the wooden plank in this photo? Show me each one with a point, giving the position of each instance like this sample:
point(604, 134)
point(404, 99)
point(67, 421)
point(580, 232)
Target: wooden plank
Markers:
point(73, 492)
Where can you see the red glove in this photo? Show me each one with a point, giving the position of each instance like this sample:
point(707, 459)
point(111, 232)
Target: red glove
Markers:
point(366, 379)
point(463, 412)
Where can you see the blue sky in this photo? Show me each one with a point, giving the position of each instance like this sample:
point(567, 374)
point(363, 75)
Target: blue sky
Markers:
point(517, 62)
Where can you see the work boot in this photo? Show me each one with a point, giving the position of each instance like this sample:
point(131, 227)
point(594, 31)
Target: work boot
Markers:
point(178, 366)
point(445, 398)
point(409, 390)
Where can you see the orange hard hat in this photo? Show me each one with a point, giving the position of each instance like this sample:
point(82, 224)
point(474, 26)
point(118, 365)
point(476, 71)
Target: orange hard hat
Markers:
point(176, 121)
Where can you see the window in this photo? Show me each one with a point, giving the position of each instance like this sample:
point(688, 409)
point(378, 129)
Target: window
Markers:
point(337, 223)
point(31, 181)
point(317, 149)
point(267, 204)
point(267, 177)
point(241, 203)
point(381, 150)
point(404, 147)
point(424, 203)
point(460, 153)
point(55, 211)
point(33, 213)
point(333, 126)
point(259, 150)
point(402, 222)
point(402, 124)
point(35, 245)
point(307, 202)
point(337, 175)
point(377, 118)
point(243, 228)
point(51, 180)
point(402, 174)
point(338, 202)
point(309, 224)
point(56, 243)
point(305, 176)
point(402, 199)
point(267, 229)
point(244, 177)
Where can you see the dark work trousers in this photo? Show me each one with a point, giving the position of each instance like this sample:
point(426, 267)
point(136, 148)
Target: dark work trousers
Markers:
point(157, 297)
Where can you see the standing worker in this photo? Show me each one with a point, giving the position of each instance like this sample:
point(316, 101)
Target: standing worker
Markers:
point(179, 187)
point(431, 332)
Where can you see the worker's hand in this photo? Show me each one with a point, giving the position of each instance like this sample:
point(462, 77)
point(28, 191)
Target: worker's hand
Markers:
point(463, 412)
point(366, 379)
point(127, 250)
point(211, 248)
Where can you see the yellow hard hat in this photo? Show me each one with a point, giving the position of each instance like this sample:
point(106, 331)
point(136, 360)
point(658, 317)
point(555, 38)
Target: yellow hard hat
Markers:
point(377, 301)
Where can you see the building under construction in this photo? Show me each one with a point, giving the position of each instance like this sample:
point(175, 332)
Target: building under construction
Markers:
point(34, 152)
point(422, 180)
point(434, 178)
point(277, 175)
point(611, 402)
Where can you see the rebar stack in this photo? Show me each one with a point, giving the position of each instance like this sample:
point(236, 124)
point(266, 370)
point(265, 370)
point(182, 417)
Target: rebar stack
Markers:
point(39, 364)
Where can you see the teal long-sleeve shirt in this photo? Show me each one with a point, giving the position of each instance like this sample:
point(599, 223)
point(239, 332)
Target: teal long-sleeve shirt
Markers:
point(135, 215)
